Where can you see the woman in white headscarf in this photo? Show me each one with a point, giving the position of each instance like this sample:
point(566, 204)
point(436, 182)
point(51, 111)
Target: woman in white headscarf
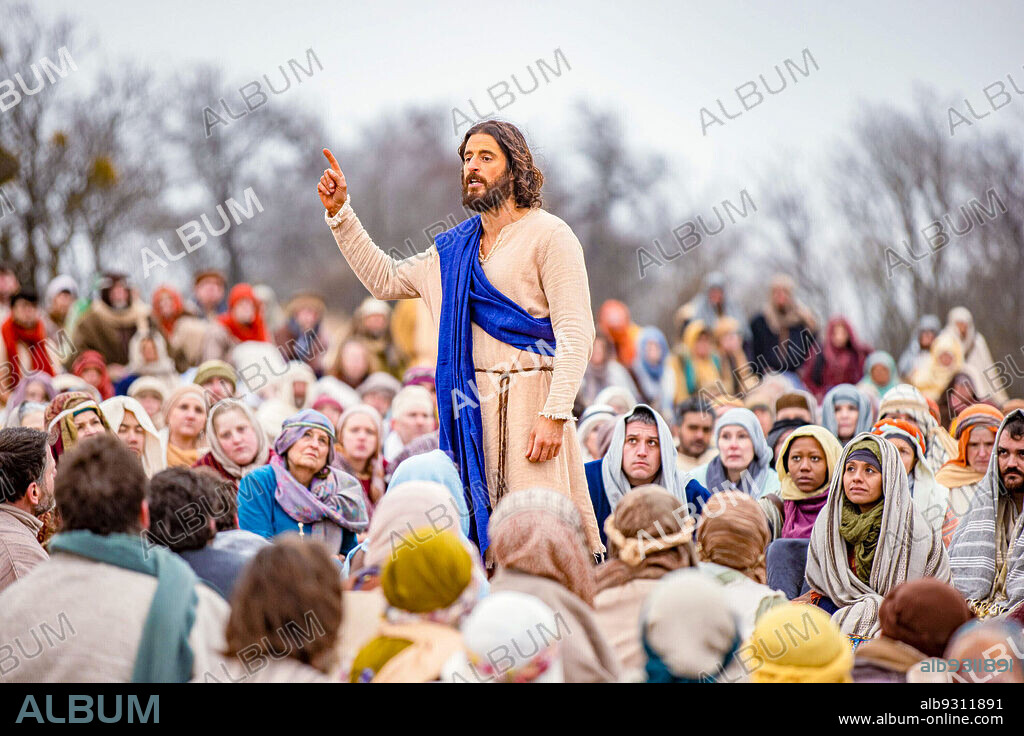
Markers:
point(132, 424)
point(744, 458)
point(869, 538)
point(289, 394)
point(903, 401)
point(595, 417)
point(960, 323)
point(522, 628)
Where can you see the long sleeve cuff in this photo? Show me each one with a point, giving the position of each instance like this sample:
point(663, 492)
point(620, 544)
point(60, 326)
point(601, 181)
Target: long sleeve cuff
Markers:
point(340, 215)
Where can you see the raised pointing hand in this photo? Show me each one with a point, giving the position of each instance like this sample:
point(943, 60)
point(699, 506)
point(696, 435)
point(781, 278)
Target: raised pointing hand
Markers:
point(332, 188)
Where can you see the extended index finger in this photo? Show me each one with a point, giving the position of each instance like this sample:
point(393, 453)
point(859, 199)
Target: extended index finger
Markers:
point(333, 161)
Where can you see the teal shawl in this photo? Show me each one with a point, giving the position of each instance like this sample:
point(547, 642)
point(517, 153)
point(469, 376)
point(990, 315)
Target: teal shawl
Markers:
point(164, 654)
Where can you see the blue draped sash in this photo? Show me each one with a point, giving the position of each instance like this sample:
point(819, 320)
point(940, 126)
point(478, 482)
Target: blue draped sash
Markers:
point(466, 297)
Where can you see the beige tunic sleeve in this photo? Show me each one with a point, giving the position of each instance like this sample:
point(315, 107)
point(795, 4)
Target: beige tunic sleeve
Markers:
point(385, 277)
point(564, 279)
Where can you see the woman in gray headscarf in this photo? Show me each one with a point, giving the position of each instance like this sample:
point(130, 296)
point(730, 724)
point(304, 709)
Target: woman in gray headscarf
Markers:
point(919, 348)
point(846, 412)
point(744, 457)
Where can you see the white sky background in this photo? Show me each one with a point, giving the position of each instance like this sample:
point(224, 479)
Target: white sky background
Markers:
point(656, 62)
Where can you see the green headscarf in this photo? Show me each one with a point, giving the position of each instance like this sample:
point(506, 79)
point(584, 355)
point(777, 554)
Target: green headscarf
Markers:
point(862, 531)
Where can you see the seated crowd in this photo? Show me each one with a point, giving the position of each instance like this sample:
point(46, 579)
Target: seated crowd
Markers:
point(251, 495)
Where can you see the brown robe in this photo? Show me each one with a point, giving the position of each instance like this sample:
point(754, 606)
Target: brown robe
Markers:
point(537, 262)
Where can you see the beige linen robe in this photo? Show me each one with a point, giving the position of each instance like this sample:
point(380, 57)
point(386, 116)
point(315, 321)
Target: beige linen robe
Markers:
point(537, 262)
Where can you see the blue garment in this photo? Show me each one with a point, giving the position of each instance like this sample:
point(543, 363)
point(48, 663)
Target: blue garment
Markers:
point(121, 387)
point(435, 466)
point(696, 496)
point(786, 563)
point(218, 568)
point(260, 513)
point(467, 297)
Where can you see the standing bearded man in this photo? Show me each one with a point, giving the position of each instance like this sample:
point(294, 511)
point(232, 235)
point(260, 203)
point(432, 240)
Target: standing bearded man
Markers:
point(508, 293)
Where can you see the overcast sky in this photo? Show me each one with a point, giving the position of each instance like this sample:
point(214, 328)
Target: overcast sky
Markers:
point(657, 62)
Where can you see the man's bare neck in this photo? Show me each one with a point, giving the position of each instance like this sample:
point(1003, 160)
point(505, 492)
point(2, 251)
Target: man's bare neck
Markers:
point(494, 220)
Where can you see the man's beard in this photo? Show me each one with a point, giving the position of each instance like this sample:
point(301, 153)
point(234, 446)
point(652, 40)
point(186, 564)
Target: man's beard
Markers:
point(44, 505)
point(492, 198)
point(695, 449)
point(1016, 485)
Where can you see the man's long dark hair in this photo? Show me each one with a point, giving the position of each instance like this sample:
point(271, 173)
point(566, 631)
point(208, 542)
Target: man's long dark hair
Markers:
point(526, 177)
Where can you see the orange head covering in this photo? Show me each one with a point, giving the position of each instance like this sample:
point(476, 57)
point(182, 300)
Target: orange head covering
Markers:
point(977, 415)
point(167, 323)
point(614, 319)
point(906, 426)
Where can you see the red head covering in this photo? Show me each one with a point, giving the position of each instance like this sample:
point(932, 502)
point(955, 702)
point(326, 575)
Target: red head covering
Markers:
point(837, 365)
point(167, 323)
point(92, 359)
point(34, 339)
point(257, 330)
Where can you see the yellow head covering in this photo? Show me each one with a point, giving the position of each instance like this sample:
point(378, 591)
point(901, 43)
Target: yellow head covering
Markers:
point(799, 643)
point(429, 571)
point(832, 449)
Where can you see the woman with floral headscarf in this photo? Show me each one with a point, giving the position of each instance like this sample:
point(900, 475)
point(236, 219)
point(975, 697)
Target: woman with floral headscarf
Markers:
point(70, 418)
point(301, 490)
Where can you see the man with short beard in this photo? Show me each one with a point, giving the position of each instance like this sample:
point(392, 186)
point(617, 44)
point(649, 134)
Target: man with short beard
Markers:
point(26, 493)
point(696, 419)
point(986, 555)
point(509, 293)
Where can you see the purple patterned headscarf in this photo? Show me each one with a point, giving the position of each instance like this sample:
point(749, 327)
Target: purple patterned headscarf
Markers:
point(333, 496)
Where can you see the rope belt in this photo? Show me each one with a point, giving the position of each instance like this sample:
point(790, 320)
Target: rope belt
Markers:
point(504, 381)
